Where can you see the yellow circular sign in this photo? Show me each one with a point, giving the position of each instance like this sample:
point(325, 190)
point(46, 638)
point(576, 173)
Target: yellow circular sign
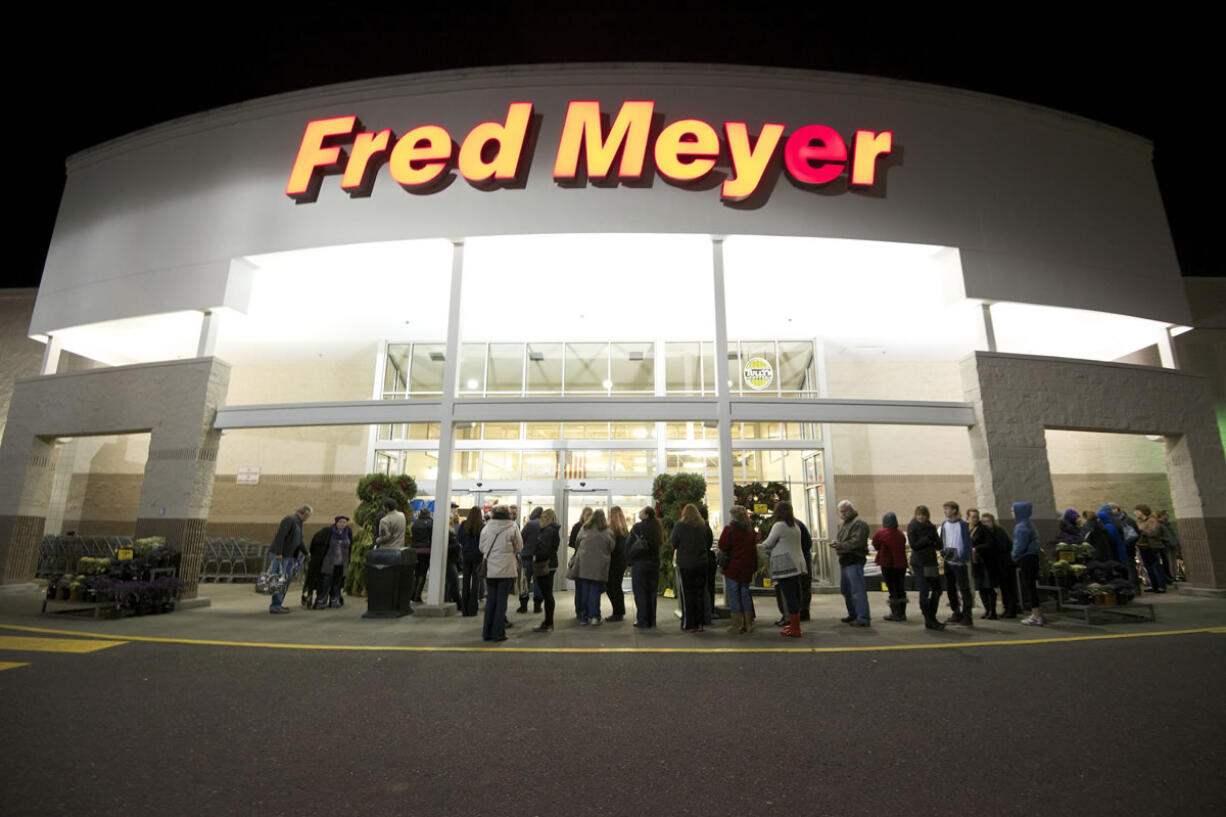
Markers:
point(758, 373)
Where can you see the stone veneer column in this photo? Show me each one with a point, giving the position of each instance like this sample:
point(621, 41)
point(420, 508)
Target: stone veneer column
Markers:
point(1018, 397)
point(175, 401)
point(1008, 444)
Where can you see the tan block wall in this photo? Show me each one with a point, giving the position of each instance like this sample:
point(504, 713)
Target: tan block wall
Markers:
point(19, 356)
point(894, 379)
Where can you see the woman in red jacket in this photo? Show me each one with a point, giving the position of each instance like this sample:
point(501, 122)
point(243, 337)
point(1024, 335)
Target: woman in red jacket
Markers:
point(741, 543)
point(891, 546)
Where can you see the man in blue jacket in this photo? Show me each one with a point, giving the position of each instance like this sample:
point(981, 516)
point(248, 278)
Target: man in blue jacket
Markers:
point(956, 550)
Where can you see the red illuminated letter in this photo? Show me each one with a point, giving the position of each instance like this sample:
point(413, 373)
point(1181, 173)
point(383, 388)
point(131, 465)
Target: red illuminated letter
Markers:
point(365, 147)
point(869, 146)
point(748, 164)
point(313, 156)
point(510, 139)
point(683, 140)
point(420, 156)
point(582, 131)
point(815, 144)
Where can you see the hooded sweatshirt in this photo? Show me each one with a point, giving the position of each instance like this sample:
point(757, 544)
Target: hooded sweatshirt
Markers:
point(1069, 534)
point(1113, 533)
point(1025, 537)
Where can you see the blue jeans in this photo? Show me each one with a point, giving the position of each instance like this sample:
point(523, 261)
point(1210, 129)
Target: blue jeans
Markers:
point(739, 599)
point(645, 581)
point(280, 565)
point(851, 582)
point(590, 592)
point(496, 593)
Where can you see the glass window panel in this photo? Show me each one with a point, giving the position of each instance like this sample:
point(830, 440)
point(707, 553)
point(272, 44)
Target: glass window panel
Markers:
point(708, 368)
point(682, 374)
point(472, 370)
point(502, 431)
point(631, 376)
point(540, 464)
point(692, 431)
point(734, 368)
point(387, 462)
point(421, 464)
point(795, 372)
point(500, 465)
point(544, 431)
point(632, 463)
point(466, 465)
point(396, 370)
point(384, 432)
point(768, 382)
point(426, 369)
point(587, 465)
point(467, 431)
point(545, 369)
point(585, 431)
point(633, 431)
point(422, 431)
point(587, 367)
point(506, 371)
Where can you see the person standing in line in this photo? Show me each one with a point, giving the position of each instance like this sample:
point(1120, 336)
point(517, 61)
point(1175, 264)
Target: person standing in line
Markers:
point(1006, 571)
point(594, 550)
point(1026, 556)
point(643, 550)
point(806, 580)
point(983, 562)
point(1149, 542)
point(956, 550)
point(500, 546)
point(545, 564)
point(617, 563)
point(584, 516)
point(891, 547)
point(1172, 548)
point(741, 543)
point(688, 544)
point(332, 563)
point(531, 531)
point(785, 562)
point(1093, 533)
point(313, 583)
point(391, 526)
point(423, 532)
point(455, 563)
point(925, 541)
point(284, 551)
point(708, 597)
point(1129, 533)
point(469, 536)
point(852, 547)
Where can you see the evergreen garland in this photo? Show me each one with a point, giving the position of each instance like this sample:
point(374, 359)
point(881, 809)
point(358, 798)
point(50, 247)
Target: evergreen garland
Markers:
point(671, 493)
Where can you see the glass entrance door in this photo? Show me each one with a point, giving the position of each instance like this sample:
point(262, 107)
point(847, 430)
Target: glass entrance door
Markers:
point(574, 503)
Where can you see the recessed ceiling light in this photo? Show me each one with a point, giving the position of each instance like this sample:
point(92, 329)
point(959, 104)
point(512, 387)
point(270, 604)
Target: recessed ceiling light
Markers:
point(471, 383)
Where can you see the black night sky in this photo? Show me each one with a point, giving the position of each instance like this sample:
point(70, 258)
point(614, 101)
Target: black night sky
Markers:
point(86, 77)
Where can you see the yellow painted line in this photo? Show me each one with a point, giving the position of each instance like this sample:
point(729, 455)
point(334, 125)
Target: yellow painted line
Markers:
point(605, 650)
point(8, 642)
point(11, 665)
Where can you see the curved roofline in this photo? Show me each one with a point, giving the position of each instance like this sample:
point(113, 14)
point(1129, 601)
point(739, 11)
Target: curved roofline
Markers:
point(456, 80)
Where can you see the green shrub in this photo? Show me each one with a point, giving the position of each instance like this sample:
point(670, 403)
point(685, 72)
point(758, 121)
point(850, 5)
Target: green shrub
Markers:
point(673, 492)
point(373, 489)
point(355, 574)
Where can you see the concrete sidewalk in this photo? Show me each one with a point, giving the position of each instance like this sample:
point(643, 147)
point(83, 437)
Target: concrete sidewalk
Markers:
point(237, 615)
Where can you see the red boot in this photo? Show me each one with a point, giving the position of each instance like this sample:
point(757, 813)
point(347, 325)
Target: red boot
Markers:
point(793, 628)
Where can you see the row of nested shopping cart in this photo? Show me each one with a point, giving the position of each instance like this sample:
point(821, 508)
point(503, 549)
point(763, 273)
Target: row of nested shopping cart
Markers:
point(225, 559)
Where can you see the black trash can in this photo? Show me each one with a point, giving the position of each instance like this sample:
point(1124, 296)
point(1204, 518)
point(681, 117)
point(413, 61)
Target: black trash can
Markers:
point(389, 582)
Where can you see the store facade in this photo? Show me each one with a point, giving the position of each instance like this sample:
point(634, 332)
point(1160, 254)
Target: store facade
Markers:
point(562, 281)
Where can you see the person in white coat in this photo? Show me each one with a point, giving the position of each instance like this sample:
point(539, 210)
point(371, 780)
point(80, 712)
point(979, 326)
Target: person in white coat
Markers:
point(500, 546)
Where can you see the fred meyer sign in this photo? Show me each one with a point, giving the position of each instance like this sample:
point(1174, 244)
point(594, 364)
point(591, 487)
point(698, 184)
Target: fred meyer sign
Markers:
point(493, 153)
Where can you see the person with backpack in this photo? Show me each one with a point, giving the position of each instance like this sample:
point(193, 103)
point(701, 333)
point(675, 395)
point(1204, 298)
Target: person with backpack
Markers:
point(643, 550)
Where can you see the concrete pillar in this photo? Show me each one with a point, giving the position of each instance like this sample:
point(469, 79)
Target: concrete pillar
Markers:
point(206, 346)
point(1196, 470)
point(724, 406)
point(1008, 441)
point(176, 401)
point(51, 356)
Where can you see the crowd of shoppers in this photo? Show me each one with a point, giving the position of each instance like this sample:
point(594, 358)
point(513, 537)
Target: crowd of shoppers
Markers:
point(495, 559)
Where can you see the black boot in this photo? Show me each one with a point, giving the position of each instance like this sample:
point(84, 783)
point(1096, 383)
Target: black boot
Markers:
point(523, 605)
point(990, 604)
point(930, 615)
point(536, 605)
point(901, 613)
point(893, 616)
